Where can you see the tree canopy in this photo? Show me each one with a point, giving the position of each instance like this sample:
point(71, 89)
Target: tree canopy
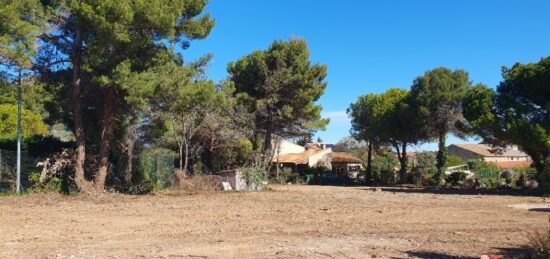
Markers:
point(437, 95)
point(280, 85)
point(33, 125)
point(517, 113)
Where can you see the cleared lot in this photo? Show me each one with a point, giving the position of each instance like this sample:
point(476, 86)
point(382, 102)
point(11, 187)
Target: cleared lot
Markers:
point(288, 222)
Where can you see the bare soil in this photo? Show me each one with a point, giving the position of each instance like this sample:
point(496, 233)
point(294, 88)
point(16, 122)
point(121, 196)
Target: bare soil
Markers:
point(287, 222)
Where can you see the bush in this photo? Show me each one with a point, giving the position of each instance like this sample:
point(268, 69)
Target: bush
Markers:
point(474, 164)
point(425, 168)
point(488, 175)
point(286, 175)
point(254, 176)
point(457, 178)
point(383, 168)
point(157, 166)
point(453, 161)
point(539, 244)
point(51, 184)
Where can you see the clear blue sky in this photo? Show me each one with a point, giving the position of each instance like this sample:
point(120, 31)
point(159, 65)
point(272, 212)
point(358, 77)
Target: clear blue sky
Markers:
point(370, 46)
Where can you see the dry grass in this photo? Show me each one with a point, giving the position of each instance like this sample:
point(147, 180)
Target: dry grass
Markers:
point(539, 243)
point(197, 183)
point(290, 222)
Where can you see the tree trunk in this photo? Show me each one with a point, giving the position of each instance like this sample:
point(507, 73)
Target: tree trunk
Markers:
point(403, 160)
point(255, 145)
point(181, 156)
point(369, 163)
point(441, 158)
point(186, 162)
point(130, 144)
point(106, 134)
point(210, 155)
point(80, 178)
point(267, 140)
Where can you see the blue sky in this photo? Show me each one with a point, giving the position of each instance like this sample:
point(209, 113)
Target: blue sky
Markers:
point(370, 46)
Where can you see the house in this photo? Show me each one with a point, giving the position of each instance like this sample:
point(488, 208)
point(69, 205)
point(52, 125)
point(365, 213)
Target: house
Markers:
point(509, 157)
point(299, 158)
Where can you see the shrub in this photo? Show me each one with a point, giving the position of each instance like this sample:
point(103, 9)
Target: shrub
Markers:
point(474, 164)
point(51, 184)
point(383, 168)
point(539, 244)
point(286, 175)
point(57, 173)
point(457, 178)
point(425, 168)
point(488, 175)
point(254, 176)
point(453, 160)
point(157, 166)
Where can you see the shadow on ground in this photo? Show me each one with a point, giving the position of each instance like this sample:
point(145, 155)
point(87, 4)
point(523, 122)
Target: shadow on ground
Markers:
point(459, 191)
point(502, 253)
point(540, 209)
point(434, 255)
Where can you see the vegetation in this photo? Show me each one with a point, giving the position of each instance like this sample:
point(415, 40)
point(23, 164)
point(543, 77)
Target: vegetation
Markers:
point(280, 86)
point(107, 79)
point(33, 124)
point(438, 96)
point(539, 243)
point(516, 113)
point(384, 169)
point(381, 119)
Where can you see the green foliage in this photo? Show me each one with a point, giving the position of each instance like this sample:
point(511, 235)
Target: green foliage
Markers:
point(156, 165)
point(280, 85)
point(52, 184)
point(454, 161)
point(425, 168)
point(32, 124)
point(384, 168)
point(488, 175)
point(456, 178)
point(254, 176)
point(35, 97)
point(21, 22)
point(438, 95)
point(517, 112)
point(474, 164)
point(286, 175)
point(385, 119)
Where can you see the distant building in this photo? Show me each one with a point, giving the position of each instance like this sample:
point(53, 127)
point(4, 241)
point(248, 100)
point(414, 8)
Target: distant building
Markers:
point(299, 158)
point(506, 158)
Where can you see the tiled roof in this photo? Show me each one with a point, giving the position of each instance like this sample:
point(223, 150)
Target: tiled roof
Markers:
point(343, 157)
point(512, 164)
point(296, 158)
point(488, 151)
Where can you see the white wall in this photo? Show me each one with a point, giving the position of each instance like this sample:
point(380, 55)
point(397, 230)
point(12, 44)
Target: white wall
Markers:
point(287, 147)
point(313, 160)
point(497, 159)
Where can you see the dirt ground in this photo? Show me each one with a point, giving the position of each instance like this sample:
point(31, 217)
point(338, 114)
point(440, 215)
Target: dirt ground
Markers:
point(287, 222)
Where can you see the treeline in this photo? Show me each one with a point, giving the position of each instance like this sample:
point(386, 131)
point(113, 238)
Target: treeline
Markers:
point(444, 101)
point(112, 73)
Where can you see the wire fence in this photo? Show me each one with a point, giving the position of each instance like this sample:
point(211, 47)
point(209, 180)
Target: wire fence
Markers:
point(158, 167)
point(8, 160)
point(154, 166)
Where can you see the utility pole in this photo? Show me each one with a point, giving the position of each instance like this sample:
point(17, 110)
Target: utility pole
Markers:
point(19, 103)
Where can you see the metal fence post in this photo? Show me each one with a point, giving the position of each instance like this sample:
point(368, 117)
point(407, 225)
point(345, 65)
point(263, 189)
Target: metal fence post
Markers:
point(1, 165)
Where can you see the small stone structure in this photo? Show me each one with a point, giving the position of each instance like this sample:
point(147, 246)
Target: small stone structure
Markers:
point(235, 178)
